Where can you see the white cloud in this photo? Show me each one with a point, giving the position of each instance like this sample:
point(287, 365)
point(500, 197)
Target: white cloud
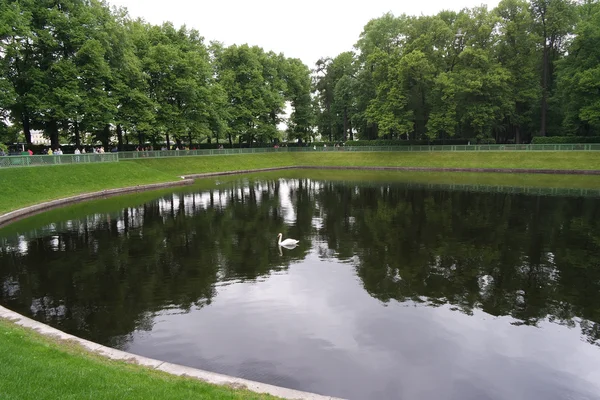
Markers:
point(307, 30)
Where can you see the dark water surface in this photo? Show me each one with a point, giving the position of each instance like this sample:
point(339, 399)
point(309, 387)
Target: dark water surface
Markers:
point(394, 292)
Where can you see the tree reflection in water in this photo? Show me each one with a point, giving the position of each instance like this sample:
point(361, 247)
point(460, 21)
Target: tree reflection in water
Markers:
point(103, 276)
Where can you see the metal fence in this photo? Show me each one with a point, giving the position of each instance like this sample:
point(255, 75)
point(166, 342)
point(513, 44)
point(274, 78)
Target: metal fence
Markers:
point(32, 161)
point(24, 161)
point(492, 147)
point(130, 155)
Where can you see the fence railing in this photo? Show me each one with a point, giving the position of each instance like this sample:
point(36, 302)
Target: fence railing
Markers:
point(130, 155)
point(489, 147)
point(24, 161)
point(32, 161)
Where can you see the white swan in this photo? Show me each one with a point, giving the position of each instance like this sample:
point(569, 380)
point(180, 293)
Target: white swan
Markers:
point(286, 242)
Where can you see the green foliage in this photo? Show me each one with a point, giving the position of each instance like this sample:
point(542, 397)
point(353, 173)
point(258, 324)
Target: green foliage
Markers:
point(474, 74)
point(578, 75)
point(83, 72)
point(565, 139)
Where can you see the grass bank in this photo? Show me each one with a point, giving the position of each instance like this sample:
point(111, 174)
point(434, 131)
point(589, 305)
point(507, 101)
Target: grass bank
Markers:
point(21, 187)
point(36, 367)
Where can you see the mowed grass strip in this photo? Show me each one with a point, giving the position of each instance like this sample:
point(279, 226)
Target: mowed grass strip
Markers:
point(577, 160)
point(36, 367)
point(21, 187)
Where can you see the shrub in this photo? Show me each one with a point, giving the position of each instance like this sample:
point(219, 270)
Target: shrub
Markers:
point(565, 139)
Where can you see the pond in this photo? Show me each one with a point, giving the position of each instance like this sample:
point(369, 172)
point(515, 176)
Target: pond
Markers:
point(395, 291)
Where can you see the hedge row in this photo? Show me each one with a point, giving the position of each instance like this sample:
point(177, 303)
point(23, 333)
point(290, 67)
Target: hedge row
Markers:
point(361, 143)
point(565, 139)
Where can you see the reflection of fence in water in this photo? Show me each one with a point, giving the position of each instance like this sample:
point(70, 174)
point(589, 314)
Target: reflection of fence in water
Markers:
point(535, 191)
point(528, 190)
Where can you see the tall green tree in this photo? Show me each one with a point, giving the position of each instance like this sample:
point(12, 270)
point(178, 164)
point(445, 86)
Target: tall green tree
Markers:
point(554, 21)
point(516, 50)
point(302, 118)
point(578, 75)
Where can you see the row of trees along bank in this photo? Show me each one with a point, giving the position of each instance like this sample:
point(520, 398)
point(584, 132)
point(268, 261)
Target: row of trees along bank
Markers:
point(521, 70)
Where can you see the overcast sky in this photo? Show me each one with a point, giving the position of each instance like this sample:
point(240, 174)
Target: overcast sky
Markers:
point(307, 29)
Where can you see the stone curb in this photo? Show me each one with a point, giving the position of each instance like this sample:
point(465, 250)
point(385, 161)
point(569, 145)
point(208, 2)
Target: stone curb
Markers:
point(173, 369)
point(493, 170)
point(420, 169)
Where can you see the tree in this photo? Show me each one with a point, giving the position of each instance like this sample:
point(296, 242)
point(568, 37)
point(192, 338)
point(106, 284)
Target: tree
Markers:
point(336, 100)
point(516, 51)
point(21, 80)
point(240, 74)
point(554, 21)
point(578, 75)
point(302, 119)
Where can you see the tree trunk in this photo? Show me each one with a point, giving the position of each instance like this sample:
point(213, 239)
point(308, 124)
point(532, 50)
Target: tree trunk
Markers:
point(52, 132)
point(168, 142)
point(120, 136)
point(544, 105)
point(230, 140)
point(517, 135)
point(77, 134)
point(26, 128)
point(345, 136)
point(106, 136)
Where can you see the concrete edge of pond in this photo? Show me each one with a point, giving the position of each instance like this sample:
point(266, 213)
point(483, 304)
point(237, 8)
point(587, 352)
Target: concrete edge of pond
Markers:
point(486, 170)
point(418, 169)
point(173, 369)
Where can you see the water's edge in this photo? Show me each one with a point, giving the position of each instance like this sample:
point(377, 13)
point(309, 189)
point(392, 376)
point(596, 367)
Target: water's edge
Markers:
point(173, 369)
point(180, 370)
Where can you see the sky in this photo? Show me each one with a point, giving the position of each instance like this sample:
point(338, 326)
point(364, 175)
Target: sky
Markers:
point(308, 29)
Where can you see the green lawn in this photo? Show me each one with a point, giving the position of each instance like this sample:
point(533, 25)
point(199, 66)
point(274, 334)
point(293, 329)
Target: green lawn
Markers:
point(36, 367)
point(21, 187)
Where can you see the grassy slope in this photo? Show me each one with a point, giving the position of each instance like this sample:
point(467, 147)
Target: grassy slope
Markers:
point(21, 187)
point(41, 368)
point(541, 160)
